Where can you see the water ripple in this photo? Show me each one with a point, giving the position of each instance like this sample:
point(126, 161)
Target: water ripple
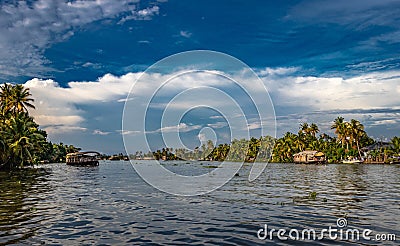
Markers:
point(110, 205)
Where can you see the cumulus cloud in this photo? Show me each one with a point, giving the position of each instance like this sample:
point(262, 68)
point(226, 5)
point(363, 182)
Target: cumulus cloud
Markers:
point(27, 29)
point(371, 90)
point(372, 98)
point(59, 106)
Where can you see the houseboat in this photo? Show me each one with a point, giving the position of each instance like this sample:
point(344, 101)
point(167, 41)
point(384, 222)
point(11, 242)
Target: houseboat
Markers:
point(309, 157)
point(89, 158)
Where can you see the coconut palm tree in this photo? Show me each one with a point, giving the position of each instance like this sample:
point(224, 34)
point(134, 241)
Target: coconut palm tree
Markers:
point(23, 138)
point(395, 145)
point(356, 132)
point(5, 92)
point(313, 129)
point(304, 128)
point(15, 99)
point(339, 127)
point(21, 100)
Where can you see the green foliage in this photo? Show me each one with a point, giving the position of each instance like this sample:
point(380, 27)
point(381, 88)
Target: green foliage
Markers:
point(22, 143)
point(312, 195)
point(349, 140)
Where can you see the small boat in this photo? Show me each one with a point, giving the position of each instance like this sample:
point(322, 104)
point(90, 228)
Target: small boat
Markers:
point(309, 157)
point(394, 160)
point(88, 158)
point(352, 161)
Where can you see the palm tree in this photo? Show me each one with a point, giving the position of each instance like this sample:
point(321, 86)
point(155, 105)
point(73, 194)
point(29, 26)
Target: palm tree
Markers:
point(15, 99)
point(356, 130)
point(395, 145)
point(339, 127)
point(299, 142)
point(313, 129)
point(21, 99)
point(23, 138)
point(304, 128)
point(5, 98)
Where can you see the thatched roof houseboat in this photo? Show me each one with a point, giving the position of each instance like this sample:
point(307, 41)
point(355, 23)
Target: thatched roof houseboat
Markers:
point(89, 158)
point(309, 156)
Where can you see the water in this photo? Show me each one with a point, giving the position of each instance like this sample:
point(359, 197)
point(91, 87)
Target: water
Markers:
point(58, 204)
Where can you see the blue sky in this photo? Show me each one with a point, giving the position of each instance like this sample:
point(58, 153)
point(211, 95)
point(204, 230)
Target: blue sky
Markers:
point(318, 59)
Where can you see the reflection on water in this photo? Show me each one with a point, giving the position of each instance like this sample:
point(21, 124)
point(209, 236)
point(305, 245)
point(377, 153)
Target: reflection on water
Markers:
point(110, 204)
point(20, 194)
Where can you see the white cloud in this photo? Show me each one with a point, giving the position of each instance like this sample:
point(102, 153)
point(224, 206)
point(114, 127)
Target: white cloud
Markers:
point(58, 106)
point(59, 109)
point(185, 34)
point(385, 122)
point(99, 132)
point(45, 120)
point(277, 71)
point(57, 130)
point(143, 14)
point(181, 127)
point(126, 132)
point(371, 90)
point(253, 126)
point(92, 65)
point(28, 29)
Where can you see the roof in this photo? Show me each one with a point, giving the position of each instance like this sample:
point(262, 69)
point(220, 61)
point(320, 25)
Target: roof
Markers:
point(83, 153)
point(310, 152)
point(313, 152)
point(376, 145)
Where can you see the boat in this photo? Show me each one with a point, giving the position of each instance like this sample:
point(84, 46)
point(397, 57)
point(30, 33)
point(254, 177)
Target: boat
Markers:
point(352, 161)
point(394, 160)
point(309, 157)
point(88, 158)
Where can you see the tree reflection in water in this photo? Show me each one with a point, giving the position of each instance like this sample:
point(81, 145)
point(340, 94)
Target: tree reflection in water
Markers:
point(20, 192)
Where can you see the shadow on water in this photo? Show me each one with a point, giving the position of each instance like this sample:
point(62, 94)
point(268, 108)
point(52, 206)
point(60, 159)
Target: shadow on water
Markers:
point(20, 192)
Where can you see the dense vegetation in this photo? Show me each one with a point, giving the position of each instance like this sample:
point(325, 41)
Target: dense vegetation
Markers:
point(22, 143)
point(349, 140)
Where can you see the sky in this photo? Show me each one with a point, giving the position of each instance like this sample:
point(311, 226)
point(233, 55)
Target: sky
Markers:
point(317, 59)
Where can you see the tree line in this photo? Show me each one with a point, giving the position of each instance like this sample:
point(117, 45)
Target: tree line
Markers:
point(349, 140)
point(22, 142)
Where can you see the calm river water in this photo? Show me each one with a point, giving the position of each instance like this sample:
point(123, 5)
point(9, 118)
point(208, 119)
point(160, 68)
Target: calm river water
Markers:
point(110, 204)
